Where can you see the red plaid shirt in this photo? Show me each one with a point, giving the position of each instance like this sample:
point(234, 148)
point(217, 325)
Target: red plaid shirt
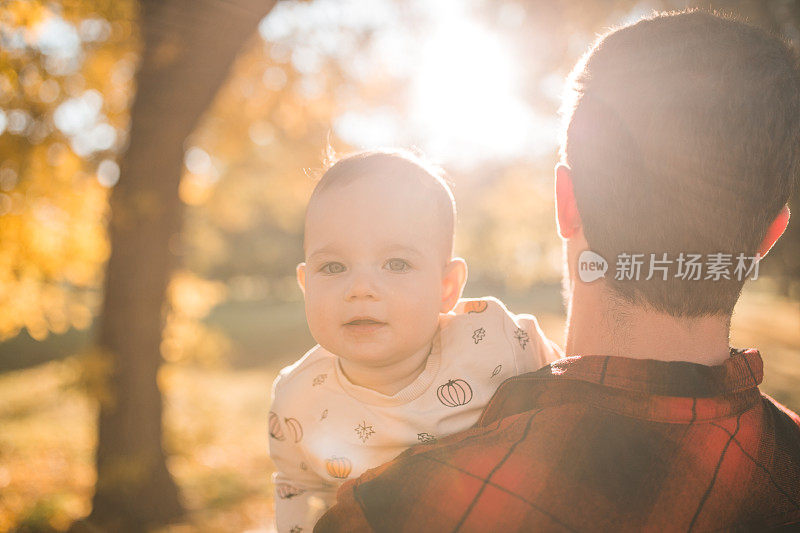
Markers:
point(598, 443)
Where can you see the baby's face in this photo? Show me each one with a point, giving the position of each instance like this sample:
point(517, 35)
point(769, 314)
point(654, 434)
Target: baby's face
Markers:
point(375, 259)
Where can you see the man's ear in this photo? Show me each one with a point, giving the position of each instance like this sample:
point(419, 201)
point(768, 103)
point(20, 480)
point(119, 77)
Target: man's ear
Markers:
point(455, 276)
point(567, 217)
point(775, 230)
point(301, 277)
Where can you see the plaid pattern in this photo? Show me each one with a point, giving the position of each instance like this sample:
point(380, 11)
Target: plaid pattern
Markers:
point(598, 443)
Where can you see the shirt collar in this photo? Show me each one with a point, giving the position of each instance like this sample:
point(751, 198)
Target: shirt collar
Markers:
point(743, 370)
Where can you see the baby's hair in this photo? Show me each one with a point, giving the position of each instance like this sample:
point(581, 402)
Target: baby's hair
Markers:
point(393, 163)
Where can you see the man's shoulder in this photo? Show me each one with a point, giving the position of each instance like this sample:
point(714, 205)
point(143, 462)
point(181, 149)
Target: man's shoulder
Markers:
point(779, 407)
point(406, 493)
point(514, 471)
point(786, 423)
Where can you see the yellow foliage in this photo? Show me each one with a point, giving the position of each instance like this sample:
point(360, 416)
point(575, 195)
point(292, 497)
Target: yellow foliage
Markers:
point(194, 191)
point(193, 297)
point(507, 228)
point(261, 135)
point(53, 244)
point(22, 12)
point(186, 337)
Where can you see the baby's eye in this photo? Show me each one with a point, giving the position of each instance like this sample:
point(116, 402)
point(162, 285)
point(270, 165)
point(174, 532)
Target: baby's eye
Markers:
point(332, 268)
point(397, 265)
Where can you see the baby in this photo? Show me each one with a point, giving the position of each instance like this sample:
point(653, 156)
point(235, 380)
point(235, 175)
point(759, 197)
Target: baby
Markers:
point(401, 359)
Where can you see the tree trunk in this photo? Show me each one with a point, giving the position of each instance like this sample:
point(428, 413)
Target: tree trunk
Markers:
point(188, 47)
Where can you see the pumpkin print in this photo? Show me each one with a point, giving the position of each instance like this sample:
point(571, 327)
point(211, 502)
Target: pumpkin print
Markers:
point(339, 467)
point(287, 492)
point(475, 306)
point(496, 370)
point(454, 393)
point(275, 430)
point(294, 428)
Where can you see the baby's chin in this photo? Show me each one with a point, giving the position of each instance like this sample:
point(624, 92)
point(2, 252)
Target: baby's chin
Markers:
point(369, 358)
point(373, 356)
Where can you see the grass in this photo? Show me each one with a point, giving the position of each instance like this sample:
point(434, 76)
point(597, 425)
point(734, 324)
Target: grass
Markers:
point(215, 416)
point(216, 435)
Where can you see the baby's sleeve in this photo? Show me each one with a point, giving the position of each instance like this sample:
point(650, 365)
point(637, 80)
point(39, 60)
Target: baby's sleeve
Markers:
point(532, 350)
point(301, 495)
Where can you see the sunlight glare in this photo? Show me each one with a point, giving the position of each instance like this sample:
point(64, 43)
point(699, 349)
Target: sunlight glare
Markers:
point(464, 95)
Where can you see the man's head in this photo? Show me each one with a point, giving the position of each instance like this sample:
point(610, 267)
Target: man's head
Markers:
point(683, 135)
point(378, 264)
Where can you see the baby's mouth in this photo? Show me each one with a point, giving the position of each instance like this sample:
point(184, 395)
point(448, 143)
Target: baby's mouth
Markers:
point(363, 322)
point(364, 325)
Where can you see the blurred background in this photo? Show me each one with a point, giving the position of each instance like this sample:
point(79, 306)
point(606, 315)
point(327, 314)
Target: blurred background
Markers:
point(155, 161)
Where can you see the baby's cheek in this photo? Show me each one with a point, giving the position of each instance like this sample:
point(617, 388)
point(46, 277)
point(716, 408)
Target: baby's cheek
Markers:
point(423, 312)
point(318, 313)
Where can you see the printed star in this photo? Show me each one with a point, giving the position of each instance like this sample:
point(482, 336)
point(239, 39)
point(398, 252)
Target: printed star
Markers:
point(364, 431)
point(296, 529)
point(522, 337)
point(324, 415)
point(319, 380)
point(478, 335)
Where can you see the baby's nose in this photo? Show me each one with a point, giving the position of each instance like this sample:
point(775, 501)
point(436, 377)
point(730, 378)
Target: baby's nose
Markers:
point(362, 285)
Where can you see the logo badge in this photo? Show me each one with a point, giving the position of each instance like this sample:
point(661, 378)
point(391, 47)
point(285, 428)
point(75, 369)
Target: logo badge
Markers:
point(591, 266)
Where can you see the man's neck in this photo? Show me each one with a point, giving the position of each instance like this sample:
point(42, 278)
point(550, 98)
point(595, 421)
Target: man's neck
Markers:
point(598, 324)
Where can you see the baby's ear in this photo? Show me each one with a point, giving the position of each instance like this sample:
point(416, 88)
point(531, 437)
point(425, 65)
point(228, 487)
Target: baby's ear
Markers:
point(455, 276)
point(301, 277)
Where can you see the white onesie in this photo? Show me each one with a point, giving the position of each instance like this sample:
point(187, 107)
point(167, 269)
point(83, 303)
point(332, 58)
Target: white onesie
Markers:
point(324, 429)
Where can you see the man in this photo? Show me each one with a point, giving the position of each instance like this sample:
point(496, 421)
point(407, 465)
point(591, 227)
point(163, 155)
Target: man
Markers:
point(680, 151)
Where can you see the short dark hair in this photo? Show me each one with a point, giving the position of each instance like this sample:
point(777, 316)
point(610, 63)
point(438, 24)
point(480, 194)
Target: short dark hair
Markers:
point(398, 164)
point(682, 135)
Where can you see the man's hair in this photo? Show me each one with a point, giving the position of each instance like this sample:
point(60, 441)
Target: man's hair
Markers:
point(682, 135)
point(394, 163)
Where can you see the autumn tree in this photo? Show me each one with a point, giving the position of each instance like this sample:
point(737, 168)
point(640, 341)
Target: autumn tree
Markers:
point(187, 49)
